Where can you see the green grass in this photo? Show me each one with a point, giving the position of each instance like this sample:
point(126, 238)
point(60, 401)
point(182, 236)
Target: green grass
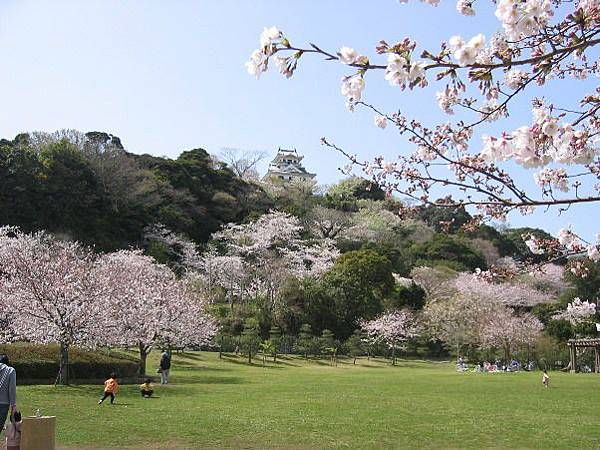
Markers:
point(225, 403)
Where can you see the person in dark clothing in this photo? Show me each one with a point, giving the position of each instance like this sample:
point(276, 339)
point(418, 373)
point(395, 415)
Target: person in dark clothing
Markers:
point(165, 367)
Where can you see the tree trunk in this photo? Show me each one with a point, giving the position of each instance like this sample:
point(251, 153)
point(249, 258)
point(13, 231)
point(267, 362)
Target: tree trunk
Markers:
point(63, 377)
point(506, 354)
point(143, 356)
point(393, 356)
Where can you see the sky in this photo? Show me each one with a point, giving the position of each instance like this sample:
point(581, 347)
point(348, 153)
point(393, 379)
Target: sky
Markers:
point(168, 76)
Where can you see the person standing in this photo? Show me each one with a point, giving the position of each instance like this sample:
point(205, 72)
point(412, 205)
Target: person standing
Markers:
point(165, 367)
point(545, 379)
point(8, 389)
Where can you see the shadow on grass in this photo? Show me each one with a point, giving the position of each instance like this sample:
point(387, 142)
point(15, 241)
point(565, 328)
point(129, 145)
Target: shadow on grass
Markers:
point(189, 365)
point(255, 363)
point(195, 357)
point(183, 379)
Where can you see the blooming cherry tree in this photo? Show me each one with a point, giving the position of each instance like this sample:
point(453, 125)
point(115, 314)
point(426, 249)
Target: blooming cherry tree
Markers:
point(508, 331)
point(51, 290)
point(461, 310)
point(393, 329)
point(578, 311)
point(8, 329)
point(456, 321)
point(482, 77)
point(150, 306)
point(260, 255)
point(511, 293)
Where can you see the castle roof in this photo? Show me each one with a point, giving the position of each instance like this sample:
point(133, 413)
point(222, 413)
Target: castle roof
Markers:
point(287, 163)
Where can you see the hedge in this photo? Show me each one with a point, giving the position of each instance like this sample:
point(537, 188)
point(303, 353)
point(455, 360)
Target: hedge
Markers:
point(41, 362)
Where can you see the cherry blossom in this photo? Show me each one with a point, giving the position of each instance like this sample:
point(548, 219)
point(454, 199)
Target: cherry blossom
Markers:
point(465, 7)
point(540, 40)
point(466, 53)
point(392, 328)
point(258, 62)
point(447, 99)
point(515, 78)
point(508, 331)
point(456, 320)
point(577, 311)
point(593, 251)
point(53, 289)
point(522, 19)
point(348, 55)
point(380, 121)
point(534, 246)
point(511, 293)
point(352, 87)
point(150, 306)
point(259, 256)
point(567, 238)
point(62, 292)
point(552, 178)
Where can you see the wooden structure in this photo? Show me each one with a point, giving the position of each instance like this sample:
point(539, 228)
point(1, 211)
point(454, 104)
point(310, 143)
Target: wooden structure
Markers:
point(574, 344)
point(37, 433)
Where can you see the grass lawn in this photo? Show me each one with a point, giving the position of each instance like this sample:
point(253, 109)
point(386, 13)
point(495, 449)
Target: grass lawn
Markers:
point(214, 403)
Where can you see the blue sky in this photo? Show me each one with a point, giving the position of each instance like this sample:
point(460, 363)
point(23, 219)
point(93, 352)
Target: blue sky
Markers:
point(166, 76)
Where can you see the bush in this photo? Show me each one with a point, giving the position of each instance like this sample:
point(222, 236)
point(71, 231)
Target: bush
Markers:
point(41, 362)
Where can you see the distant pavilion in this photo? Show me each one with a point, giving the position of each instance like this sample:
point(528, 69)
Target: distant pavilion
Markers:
point(576, 344)
point(287, 166)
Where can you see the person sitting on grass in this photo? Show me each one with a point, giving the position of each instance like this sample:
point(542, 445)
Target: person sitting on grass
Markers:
point(147, 389)
point(111, 386)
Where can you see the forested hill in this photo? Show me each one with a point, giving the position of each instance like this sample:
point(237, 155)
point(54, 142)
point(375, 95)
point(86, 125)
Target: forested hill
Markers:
point(87, 187)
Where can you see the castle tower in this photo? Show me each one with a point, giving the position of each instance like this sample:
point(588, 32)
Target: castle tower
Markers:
point(287, 166)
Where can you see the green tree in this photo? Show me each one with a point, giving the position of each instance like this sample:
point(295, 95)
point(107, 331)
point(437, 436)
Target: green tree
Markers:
point(267, 348)
point(444, 219)
point(447, 250)
point(250, 338)
point(354, 288)
point(356, 345)
point(305, 337)
point(403, 296)
point(346, 193)
point(329, 345)
point(275, 339)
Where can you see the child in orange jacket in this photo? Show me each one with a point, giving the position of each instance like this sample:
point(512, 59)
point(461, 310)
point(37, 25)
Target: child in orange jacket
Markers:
point(111, 386)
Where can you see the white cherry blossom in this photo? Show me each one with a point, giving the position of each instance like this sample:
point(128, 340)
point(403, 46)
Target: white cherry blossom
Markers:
point(380, 121)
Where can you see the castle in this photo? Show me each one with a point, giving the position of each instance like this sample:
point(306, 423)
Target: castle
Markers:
point(286, 166)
